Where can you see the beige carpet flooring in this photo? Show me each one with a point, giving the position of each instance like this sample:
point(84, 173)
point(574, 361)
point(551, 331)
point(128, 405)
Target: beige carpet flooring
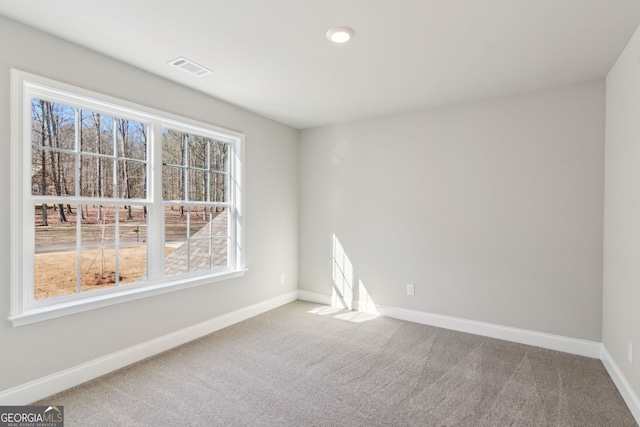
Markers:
point(307, 365)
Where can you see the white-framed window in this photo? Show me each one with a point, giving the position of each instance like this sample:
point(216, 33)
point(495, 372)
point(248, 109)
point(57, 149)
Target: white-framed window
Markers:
point(113, 201)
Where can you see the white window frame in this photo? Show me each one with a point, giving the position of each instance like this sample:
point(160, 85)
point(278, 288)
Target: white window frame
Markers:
point(24, 308)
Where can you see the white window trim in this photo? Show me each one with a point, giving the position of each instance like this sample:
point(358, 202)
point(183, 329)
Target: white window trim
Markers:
point(22, 312)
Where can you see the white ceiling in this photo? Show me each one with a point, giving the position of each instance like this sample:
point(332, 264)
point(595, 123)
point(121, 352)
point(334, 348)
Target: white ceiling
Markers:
point(272, 57)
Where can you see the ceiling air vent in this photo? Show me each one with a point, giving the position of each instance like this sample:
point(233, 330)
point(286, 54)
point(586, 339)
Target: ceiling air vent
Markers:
point(190, 67)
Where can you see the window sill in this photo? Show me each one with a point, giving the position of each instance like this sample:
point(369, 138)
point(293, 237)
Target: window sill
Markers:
point(65, 308)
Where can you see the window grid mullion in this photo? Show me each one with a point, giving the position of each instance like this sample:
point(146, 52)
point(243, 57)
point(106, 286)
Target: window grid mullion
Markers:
point(208, 189)
point(78, 158)
point(114, 141)
point(189, 239)
point(155, 235)
point(79, 250)
point(116, 239)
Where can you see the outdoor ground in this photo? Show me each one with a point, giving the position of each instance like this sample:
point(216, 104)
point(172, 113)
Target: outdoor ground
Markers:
point(55, 269)
point(52, 276)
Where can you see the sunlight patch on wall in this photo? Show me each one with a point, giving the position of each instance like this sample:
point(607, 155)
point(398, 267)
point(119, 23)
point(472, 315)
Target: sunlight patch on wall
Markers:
point(347, 303)
point(342, 292)
point(365, 303)
point(339, 151)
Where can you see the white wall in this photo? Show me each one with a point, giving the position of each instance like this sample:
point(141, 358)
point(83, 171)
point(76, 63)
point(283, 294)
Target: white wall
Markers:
point(621, 285)
point(34, 351)
point(493, 209)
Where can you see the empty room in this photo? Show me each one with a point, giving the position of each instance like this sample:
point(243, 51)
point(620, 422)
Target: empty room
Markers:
point(291, 213)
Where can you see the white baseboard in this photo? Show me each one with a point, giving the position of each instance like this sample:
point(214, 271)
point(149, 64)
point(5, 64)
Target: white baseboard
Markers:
point(59, 381)
point(522, 336)
point(629, 396)
point(507, 333)
point(315, 297)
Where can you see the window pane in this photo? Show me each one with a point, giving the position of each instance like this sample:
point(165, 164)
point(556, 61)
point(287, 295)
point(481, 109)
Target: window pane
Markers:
point(220, 222)
point(199, 255)
point(175, 223)
point(54, 274)
point(219, 156)
point(55, 268)
point(209, 243)
point(197, 185)
point(176, 259)
point(98, 249)
point(52, 125)
point(52, 173)
point(132, 261)
point(96, 177)
point(173, 147)
point(66, 164)
point(132, 180)
point(176, 244)
point(199, 222)
point(131, 139)
point(172, 183)
point(208, 222)
point(198, 152)
point(96, 133)
point(220, 249)
point(218, 187)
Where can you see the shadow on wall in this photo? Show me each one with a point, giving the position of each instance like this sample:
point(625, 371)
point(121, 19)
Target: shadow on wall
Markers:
point(346, 296)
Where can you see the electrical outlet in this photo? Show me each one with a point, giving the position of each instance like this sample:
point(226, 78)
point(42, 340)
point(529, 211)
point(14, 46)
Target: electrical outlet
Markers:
point(630, 351)
point(411, 289)
point(282, 278)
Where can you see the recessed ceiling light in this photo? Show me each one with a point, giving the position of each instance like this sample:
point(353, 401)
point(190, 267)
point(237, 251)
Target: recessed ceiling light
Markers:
point(340, 34)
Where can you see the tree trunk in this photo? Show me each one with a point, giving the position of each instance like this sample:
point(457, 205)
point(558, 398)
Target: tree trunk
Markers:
point(45, 221)
point(126, 187)
point(50, 126)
